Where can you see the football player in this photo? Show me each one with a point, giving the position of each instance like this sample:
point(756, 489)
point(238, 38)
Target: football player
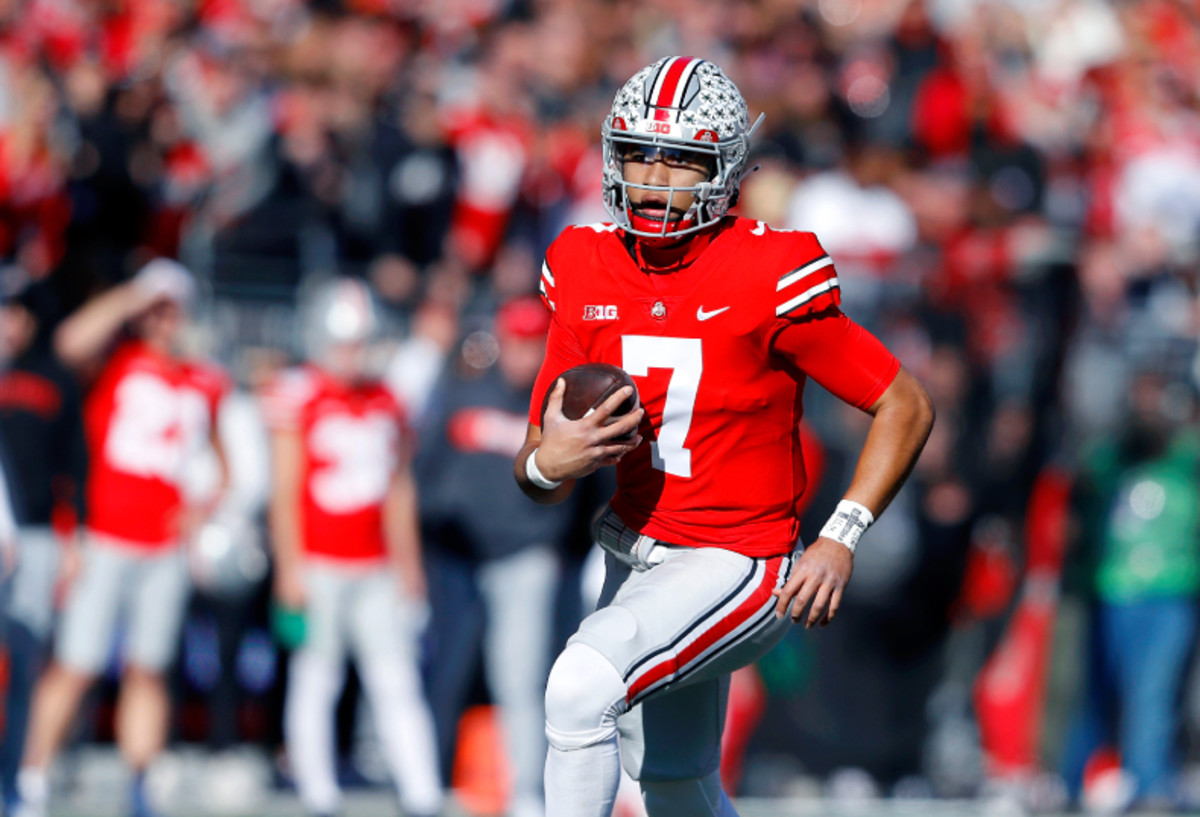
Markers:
point(41, 428)
point(344, 530)
point(148, 412)
point(720, 321)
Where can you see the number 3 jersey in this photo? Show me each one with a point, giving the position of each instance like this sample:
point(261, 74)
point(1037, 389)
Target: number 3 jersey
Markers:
point(350, 437)
point(720, 350)
point(145, 418)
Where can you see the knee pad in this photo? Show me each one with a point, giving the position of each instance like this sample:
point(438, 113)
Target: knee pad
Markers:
point(584, 696)
point(698, 797)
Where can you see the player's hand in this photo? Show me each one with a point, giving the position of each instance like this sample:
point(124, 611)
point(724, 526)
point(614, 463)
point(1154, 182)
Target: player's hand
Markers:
point(570, 449)
point(411, 584)
point(69, 565)
point(189, 520)
point(820, 577)
point(8, 557)
point(289, 585)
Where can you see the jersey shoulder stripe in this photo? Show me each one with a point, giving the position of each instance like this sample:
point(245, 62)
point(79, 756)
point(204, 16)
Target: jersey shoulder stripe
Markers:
point(811, 285)
point(547, 280)
point(807, 297)
point(802, 272)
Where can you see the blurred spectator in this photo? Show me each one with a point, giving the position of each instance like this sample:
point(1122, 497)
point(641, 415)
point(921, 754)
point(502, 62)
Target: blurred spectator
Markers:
point(1140, 529)
point(228, 563)
point(493, 577)
point(347, 552)
point(149, 410)
point(859, 217)
point(41, 426)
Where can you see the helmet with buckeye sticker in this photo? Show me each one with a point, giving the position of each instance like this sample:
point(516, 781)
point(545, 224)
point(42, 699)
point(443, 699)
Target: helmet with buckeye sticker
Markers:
point(687, 108)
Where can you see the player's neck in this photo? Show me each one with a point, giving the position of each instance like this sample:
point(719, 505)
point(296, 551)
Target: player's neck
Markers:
point(159, 347)
point(341, 381)
point(666, 258)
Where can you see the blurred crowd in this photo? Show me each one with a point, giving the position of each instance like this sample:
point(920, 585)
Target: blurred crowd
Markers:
point(1010, 190)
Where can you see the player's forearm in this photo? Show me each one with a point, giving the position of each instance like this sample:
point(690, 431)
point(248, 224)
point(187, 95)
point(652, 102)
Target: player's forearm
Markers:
point(401, 528)
point(544, 496)
point(283, 513)
point(283, 519)
point(903, 417)
point(90, 328)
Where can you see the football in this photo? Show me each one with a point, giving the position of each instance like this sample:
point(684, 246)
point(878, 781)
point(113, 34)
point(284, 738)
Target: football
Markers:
point(589, 385)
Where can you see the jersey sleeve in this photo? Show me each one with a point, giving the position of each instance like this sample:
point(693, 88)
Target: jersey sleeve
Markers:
point(811, 333)
point(840, 355)
point(563, 351)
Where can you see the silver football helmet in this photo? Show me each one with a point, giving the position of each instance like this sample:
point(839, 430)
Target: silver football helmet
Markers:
point(678, 104)
point(338, 314)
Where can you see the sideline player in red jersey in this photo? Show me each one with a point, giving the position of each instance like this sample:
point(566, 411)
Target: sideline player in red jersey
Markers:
point(347, 553)
point(720, 320)
point(148, 412)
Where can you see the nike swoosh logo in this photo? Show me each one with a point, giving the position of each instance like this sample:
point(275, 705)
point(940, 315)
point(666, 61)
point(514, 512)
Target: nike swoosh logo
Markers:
point(701, 315)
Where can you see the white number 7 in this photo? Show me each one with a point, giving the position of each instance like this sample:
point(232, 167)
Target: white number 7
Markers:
point(639, 354)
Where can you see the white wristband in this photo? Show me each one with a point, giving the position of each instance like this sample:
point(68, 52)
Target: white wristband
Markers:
point(849, 522)
point(536, 476)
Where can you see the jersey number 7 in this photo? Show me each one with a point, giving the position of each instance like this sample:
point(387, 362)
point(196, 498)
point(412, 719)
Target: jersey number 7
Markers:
point(640, 354)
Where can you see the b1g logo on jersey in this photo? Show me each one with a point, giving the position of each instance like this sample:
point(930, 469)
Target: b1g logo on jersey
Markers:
point(600, 313)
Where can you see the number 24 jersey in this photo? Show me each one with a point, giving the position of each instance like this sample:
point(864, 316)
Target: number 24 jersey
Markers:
point(720, 351)
point(145, 418)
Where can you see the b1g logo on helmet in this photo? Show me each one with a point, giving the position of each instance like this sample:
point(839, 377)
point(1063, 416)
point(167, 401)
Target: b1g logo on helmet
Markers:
point(599, 313)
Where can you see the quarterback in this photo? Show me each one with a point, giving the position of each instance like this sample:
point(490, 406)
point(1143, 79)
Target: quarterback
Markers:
point(720, 321)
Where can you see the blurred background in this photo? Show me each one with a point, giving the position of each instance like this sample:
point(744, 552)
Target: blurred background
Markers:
point(1010, 190)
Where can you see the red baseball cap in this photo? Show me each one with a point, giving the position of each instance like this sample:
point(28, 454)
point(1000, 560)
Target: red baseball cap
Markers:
point(523, 317)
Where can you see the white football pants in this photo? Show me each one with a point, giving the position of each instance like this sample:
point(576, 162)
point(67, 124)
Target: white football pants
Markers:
point(644, 681)
point(356, 610)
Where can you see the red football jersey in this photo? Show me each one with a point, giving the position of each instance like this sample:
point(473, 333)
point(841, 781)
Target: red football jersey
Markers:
point(720, 351)
point(351, 438)
point(145, 417)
